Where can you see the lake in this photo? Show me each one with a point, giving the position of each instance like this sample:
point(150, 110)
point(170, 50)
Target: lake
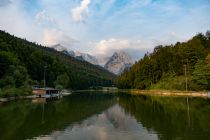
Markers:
point(101, 116)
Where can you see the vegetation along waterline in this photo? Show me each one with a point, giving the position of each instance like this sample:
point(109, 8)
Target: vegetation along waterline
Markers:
point(204, 94)
point(183, 66)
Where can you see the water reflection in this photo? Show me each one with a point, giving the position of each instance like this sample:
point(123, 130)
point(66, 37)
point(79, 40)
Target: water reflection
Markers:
point(171, 117)
point(24, 120)
point(98, 116)
point(112, 124)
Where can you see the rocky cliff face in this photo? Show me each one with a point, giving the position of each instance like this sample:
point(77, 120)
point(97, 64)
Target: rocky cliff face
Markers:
point(118, 62)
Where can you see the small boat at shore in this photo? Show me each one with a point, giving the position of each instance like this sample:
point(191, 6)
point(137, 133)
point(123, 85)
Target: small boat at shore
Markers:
point(65, 92)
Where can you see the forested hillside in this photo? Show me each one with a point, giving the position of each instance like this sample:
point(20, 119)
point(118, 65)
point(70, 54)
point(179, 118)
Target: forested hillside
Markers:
point(23, 63)
point(171, 67)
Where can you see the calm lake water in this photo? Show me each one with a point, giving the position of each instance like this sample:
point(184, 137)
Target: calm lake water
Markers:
point(99, 116)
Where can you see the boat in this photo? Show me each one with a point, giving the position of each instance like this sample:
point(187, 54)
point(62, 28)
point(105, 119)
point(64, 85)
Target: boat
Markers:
point(65, 92)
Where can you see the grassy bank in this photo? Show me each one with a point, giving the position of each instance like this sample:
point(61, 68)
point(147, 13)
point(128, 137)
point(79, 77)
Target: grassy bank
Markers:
point(167, 92)
point(153, 92)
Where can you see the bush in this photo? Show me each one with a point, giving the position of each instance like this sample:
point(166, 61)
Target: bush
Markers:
point(177, 83)
point(9, 92)
point(59, 86)
point(25, 90)
point(7, 81)
point(15, 92)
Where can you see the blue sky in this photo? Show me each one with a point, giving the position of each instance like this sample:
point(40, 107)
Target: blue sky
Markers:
point(101, 27)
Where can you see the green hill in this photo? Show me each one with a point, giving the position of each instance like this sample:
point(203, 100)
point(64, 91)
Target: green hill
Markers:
point(23, 63)
point(171, 67)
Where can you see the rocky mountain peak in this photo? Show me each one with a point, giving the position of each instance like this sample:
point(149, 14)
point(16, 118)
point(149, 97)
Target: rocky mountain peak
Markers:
point(118, 62)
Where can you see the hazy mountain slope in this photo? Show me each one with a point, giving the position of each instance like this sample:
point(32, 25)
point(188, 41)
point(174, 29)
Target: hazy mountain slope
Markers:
point(78, 55)
point(87, 57)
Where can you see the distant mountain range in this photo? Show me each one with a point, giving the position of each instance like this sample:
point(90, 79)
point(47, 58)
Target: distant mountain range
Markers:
point(116, 63)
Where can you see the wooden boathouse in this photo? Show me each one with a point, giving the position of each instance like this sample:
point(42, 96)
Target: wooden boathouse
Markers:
point(45, 92)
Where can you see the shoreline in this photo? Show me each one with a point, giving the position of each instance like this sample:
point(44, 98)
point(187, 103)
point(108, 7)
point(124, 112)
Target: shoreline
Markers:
point(12, 98)
point(204, 94)
point(7, 99)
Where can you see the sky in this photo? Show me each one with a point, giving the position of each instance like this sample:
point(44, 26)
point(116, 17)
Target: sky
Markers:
point(101, 27)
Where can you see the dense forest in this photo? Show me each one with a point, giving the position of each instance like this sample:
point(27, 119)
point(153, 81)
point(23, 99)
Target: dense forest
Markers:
point(24, 63)
point(183, 66)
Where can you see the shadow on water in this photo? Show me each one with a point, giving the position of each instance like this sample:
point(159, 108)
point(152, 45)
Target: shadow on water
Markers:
point(26, 119)
point(171, 117)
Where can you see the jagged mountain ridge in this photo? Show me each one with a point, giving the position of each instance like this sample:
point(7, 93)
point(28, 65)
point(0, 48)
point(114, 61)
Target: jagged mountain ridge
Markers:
point(118, 62)
point(78, 55)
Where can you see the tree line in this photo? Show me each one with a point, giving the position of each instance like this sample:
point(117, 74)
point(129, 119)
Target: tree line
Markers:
point(172, 67)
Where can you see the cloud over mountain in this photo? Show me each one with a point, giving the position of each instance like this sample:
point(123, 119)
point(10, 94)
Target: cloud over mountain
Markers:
point(134, 47)
point(54, 36)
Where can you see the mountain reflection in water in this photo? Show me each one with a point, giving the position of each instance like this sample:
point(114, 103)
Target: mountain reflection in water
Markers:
point(112, 124)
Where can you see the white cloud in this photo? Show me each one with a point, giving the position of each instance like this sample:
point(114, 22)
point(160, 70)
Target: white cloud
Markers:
point(135, 48)
point(53, 36)
point(43, 17)
point(79, 13)
point(15, 21)
point(170, 37)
